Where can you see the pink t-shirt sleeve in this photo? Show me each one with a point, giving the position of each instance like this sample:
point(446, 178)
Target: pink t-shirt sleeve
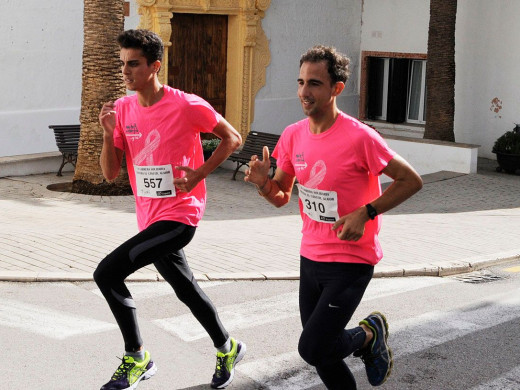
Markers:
point(118, 133)
point(202, 114)
point(374, 153)
point(282, 152)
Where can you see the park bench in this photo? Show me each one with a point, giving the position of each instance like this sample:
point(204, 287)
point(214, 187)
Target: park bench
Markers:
point(67, 139)
point(255, 141)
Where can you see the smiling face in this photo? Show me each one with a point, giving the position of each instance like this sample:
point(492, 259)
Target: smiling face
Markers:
point(138, 75)
point(316, 91)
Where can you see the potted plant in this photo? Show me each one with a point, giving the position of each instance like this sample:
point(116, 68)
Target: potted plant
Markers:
point(209, 146)
point(507, 149)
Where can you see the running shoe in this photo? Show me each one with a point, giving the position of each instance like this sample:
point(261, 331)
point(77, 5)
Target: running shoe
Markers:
point(225, 369)
point(130, 373)
point(377, 356)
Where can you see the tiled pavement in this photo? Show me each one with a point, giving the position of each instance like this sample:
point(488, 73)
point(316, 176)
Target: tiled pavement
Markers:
point(455, 223)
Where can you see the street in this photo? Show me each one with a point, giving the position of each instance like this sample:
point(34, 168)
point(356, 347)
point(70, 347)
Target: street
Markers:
point(457, 332)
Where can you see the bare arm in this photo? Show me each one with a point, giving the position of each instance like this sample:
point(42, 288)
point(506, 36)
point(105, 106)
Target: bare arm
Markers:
point(277, 190)
point(230, 141)
point(406, 183)
point(111, 157)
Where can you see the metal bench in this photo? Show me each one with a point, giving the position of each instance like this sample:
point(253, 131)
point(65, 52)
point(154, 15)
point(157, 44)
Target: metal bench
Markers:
point(255, 141)
point(67, 140)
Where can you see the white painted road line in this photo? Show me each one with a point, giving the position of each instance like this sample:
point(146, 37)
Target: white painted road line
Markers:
point(48, 322)
point(297, 374)
point(509, 380)
point(251, 314)
point(241, 316)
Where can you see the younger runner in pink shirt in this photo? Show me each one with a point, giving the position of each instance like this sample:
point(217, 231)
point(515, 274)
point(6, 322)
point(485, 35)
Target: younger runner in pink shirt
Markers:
point(158, 129)
point(147, 134)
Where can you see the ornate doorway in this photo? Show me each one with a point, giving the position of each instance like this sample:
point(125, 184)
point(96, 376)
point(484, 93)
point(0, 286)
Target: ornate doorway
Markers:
point(197, 57)
point(247, 47)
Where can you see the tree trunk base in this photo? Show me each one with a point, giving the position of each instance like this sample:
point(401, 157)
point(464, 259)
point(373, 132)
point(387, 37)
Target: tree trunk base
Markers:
point(105, 189)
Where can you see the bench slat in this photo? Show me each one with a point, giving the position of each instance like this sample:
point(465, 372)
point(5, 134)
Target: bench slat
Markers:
point(255, 141)
point(67, 140)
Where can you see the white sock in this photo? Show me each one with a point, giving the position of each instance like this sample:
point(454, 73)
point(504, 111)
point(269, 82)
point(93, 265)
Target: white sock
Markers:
point(137, 355)
point(226, 347)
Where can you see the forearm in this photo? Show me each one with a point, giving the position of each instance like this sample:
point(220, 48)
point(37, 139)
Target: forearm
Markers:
point(272, 192)
point(110, 161)
point(226, 146)
point(394, 195)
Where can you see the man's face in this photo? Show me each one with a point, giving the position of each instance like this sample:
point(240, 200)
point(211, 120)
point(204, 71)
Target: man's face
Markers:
point(315, 90)
point(137, 74)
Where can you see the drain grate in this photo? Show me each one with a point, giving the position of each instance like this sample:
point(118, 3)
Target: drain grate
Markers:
point(478, 277)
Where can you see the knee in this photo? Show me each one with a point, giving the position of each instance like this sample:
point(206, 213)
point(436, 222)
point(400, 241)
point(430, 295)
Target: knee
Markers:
point(102, 277)
point(98, 276)
point(312, 351)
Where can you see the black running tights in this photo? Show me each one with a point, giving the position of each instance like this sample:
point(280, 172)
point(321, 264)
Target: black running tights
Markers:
point(329, 296)
point(162, 244)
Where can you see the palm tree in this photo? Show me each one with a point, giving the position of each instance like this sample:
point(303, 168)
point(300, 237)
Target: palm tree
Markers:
point(103, 21)
point(440, 71)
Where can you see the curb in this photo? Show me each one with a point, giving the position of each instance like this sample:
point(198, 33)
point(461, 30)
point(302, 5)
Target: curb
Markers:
point(432, 271)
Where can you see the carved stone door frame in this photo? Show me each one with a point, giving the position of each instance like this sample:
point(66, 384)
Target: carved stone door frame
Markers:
point(248, 48)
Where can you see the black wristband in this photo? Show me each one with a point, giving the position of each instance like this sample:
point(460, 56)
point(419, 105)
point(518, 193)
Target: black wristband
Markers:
point(371, 211)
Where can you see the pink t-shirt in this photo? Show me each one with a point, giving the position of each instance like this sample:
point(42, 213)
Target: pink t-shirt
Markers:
point(347, 159)
point(166, 133)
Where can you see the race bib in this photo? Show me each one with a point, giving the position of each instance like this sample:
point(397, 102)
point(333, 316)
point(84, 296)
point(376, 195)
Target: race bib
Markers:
point(321, 206)
point(154, 181)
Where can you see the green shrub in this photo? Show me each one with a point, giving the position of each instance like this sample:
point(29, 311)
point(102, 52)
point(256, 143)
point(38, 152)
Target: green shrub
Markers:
point(209, 145)
point(509, 142)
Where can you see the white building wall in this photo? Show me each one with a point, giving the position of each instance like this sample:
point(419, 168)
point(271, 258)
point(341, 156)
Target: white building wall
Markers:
point(395, 26)
point(40, 57)
point(487, 84)
point(292, 27)
point(487, 87)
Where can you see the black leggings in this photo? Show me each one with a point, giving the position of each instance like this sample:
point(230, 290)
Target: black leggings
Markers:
point(329, 296)
point(161, 244)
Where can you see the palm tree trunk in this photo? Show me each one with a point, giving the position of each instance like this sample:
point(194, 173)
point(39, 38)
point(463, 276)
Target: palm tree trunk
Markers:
point(440, 71)
point(101, 82)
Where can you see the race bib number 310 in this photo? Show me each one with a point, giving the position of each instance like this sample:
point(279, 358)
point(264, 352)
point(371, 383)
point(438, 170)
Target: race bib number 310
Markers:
point(321, 206)
point(154, 181)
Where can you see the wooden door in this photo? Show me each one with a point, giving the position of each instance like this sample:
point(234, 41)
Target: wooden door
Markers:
point(198, 57)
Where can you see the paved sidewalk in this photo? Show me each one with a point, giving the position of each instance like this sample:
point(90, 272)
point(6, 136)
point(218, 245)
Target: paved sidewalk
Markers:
point(457, 223)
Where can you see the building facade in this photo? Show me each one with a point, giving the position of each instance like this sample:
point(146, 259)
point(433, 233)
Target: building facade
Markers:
point(41, 52)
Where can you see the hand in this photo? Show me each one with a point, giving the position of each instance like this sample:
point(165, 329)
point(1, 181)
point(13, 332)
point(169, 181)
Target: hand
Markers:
point(190, 179)
point(258, 169)
point(107, 117)
point(353, 225)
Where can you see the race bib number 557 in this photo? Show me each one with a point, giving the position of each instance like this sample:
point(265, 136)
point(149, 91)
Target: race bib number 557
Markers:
point(321, 206)
point(154, 181)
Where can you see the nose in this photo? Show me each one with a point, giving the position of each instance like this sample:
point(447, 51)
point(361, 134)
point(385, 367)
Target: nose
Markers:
point(303, 90)
point(125, 69)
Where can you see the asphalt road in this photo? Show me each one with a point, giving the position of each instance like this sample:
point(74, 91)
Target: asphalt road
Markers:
point(459, 332)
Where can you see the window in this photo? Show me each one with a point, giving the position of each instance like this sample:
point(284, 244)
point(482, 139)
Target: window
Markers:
point(395, 89)
point(416, 107)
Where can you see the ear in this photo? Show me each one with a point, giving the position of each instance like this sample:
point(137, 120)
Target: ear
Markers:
point(338, 88)
point(157, 66)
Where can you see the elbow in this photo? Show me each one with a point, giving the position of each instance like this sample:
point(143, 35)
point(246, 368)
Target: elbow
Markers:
point(236, 141)
point(110, 176)
point(419, 183)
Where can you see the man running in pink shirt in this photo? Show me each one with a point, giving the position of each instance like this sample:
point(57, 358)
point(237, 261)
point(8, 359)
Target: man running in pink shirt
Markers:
point(336, 160)
point(158, 130)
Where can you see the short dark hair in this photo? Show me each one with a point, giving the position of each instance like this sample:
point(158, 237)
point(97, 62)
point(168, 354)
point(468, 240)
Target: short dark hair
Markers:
point(337, 63)
point(149, 42)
